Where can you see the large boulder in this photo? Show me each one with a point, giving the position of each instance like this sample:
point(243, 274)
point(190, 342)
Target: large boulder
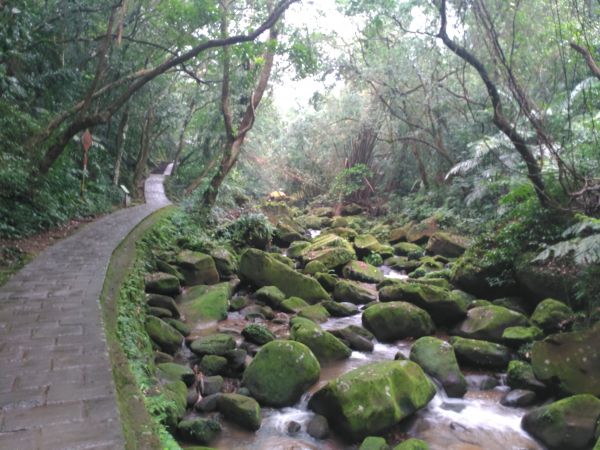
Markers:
point(367, 243)
point(353, 292)
point(483, 354)
point(411, 251)
point(361, 271)
point(437, 359)
point(271, 295)
point(225, 261)
point(519, 375)
point(447, 244)
point(316, 313)
point(489, 322)
point(214, 344)
point(420, 233)
point(167, 338)
point(330, 258)
point(200, 431)
point(568, 424)
point(444, 306)
point(280, 373)
point(162, 283)
point(262, 270)
point(241, 410)
point(206, 303)
point(372, 398)
point(473, 273)
point(197, 268)
point(571, 360)
point(397, 320)
point(324, 345)
point(547, 279)
point(549, 314)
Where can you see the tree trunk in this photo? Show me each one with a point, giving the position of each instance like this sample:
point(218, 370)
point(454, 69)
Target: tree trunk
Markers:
point(121, 135)
point(186, 122)
point(422, 171)
point(144, 153)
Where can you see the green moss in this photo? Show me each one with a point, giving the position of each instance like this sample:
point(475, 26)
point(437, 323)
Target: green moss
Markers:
point(201, 431)
point(213, 364)
point(270, 295)
point(374, 443)
point(293, 305)
point(397, 320)
point(313, 267)
point(257, 333)
point(206, 302)
point(174, 372)
point(361, 271)
point(478, 353)
point(241, 410)
point(325, 346)
point(353, 292)
point(517, 336)
point(489, 322)
point(412, 444)
point(318, 313)
point(412, 251)
point(162, 334)
point(215, 344)
point(549, 314)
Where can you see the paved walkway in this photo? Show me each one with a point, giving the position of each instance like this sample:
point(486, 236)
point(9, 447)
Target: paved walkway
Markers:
point(56, 386)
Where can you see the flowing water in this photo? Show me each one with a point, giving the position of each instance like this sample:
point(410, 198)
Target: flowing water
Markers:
point(476, 422)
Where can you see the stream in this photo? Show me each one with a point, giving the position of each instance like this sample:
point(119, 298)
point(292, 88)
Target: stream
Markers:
point(477, 421)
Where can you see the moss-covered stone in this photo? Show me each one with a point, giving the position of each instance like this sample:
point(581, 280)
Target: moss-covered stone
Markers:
point(478, 353)
point(174, 372)
point(200, 431)
point(402, 263)
point(353, 292)
point(517, 336)
point(367, 243)
point(437, 359)
point(163, 301)
point(519, 375)
point(271, 295)
point(411, 251)
point(549, 279)
point(443, 306)
point(324, 345)
point(354, 338)
point(176, 393)
point(517, 304)
point(296, 248)
point(472, 273)
point(206, 303)
point(161, 313)
point(197, 268)
point(327, 280)
point(314, 267)
point(167, 338)
point(419, 233)
point(330, 258)
point(318, 313)
point(571, 359)
point(361, 271)
point(398, 234)
point(447, 244)
point(568, 424)
point(338, 309)
point(225, 262)
point(213, 365)
point(549, 314)
point(241, 410)
point(292, 305)
point(214, 344)
point(397, 320)
point(489, 322)
point(367, 400)
point(412, 444)
point(262, 270)
point(283, 259)
point(162, 283)
point(237, 303)
point(374, 443)
point(257, 334)
point(280, 373)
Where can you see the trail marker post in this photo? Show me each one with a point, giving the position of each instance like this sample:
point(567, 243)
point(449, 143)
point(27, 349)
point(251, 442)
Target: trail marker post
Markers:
point(86, 141)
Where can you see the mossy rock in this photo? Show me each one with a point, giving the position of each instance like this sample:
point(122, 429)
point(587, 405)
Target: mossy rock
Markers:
point(353, 292)
point(163, 301)
point(398, 234)
point(241, 410)
point(344, 232)
point(200, 431)
point(281, 372)
point(549, 314)
point(489, 322)
point(437, 359)
point(517, 304)
point(174, 372)
point(374, 443)
point(167, 338)
point(518, 336)
point(214, 344)
point(519, 375)
point(324, 345)
point(402, 263)
point(271, 295)
point(314, 267)
point(164, 266)
point(296, 248)
point(570, 360)
point(197, 268)
point(442, 305)
point(367, 243)
point(292, 305)
point(257, 334)
point(162, 283)
point(397, 320)
point(472, 273)
point(338, 309)
point(176, 393)
point(225, 262)
point(326, 280)
point(479, 302)
point(262, 270)
point(330, 258)
point(355, 339)
point(447, 244)
point(412, 444)
point(318, 313)
point(213, 365)
point(237, 303)
point(555, 278)
point(206, 303)
point(361, 271)
point(568, 424)
point(161, 313)
point(283, 259)
point(411, 251)
point(373, 397)
point(478, 353)
point(419, 233)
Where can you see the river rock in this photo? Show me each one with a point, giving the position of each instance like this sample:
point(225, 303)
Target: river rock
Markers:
point(568, 424)
point(396, 320)
point(340, 309)
point(262, 270)
point(373, 397)
point(200, 431)
point(412, 444)
point(271, 295)
point(180, 326)
point(520, 376)
point(280, 373)
point(197, 268)
point(437, 359)
point(571, 359)
point(241, 410)
point(518, 398)
point(478, 353)
point(161, 313)
point(489, 322)
point(549, 314)
point(374, 443)
point(361, 271)
point(314, 267)
point(213, 365)
point(353, 292)
point(214, 344)
point(176, 393)
point(327, 280)
point(324, 345)
point(353, 339)
point(172, 372)
point(296, 248)
point(443, 306)
point(167, 338)
point(472, 273)
point(318, 427)
point(367, 243)
point(225, 262)
point(206, 302)
point(211, 385)
point(330, 258)
point(402, 263)
point(316, 313)
point(411, 251)
point(517, 336)
point(257, 333)
point(163, 301)
point(162, 283)
point(208, 403)
point(419, 233)
point(447, 244)
point(292, 305)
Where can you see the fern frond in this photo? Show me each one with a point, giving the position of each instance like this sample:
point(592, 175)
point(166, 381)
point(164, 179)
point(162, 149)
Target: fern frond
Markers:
point(583, 250)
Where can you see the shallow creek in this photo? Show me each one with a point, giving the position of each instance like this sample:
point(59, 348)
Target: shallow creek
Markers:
point(476, 422)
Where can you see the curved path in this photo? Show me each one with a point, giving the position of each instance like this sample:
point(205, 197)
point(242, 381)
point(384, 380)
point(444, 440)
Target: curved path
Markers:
point(56, 384)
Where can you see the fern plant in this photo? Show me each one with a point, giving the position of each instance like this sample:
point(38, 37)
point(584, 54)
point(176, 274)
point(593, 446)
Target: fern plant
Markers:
point(582, 243)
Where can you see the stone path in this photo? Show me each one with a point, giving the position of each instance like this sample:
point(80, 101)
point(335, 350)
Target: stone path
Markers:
point(56, 385)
